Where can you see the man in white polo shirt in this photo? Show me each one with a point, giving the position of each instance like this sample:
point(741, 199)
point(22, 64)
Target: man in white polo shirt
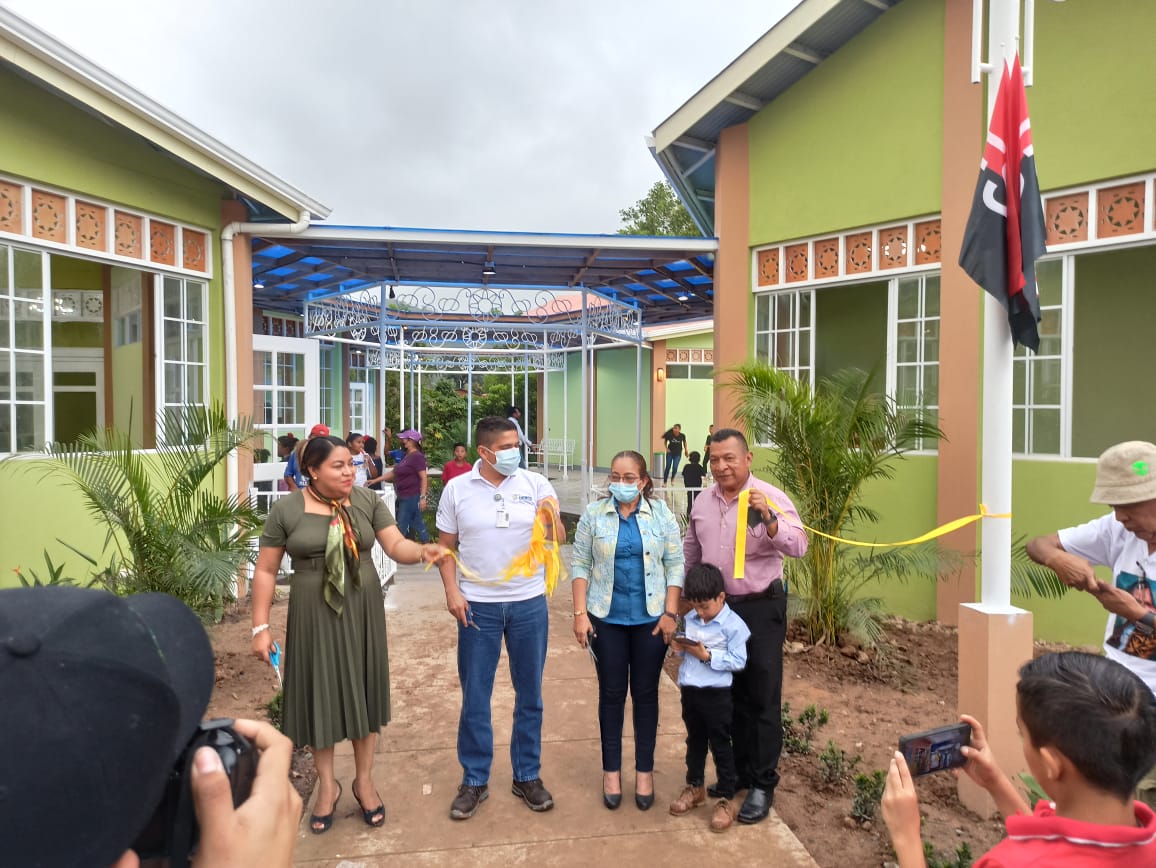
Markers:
point(488, 516)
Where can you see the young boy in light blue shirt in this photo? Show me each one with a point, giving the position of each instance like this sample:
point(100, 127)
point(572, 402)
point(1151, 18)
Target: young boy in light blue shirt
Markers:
point(713, 647)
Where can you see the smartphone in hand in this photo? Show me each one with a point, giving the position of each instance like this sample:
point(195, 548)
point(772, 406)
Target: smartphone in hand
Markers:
point(683, 639)
point(935, 750)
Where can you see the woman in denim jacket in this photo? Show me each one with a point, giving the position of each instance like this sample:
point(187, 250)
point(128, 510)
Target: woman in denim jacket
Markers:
point(627, 580)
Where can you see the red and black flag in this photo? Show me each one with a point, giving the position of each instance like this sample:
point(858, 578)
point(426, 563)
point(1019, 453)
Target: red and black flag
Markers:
point(1006, 230)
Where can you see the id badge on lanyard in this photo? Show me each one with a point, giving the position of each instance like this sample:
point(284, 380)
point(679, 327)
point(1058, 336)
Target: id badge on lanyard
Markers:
point(501, 516)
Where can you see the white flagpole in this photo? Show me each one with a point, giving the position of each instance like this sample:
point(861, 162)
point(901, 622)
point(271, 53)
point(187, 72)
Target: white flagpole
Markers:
point(995, 583)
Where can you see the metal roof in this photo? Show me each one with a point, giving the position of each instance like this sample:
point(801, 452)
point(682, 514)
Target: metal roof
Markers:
point(684, 144)
point(44, 59)
point(668, 279)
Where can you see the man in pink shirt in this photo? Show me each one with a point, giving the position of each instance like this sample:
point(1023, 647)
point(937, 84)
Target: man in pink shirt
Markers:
point(759, 598)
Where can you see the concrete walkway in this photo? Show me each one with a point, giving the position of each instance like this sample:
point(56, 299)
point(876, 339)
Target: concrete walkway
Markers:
point(417, 772)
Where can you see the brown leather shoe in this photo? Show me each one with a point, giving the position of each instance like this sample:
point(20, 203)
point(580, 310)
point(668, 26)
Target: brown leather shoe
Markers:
point(725, 811)
point(689, 799)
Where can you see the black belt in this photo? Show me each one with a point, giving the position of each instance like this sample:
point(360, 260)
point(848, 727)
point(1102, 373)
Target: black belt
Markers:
point(771, 590)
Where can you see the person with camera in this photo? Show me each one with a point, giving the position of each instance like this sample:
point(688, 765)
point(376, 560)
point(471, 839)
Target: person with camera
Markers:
point(103, 698)
point(759, 598)
point(336, 663)
point(1125, 541)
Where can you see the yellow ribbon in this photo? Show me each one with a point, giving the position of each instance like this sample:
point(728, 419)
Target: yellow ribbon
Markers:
point(543, 552)
point(744, 507)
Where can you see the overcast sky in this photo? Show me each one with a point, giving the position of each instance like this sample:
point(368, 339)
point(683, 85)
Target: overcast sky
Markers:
point(479, 114)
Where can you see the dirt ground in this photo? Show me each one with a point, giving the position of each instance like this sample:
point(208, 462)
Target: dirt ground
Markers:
point(907, 685)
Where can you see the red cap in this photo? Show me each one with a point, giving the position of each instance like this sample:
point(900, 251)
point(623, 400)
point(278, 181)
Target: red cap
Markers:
point(319, 430)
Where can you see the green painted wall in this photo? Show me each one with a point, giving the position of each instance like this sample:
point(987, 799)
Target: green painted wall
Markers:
point(50, 140)
point(128, 373)
point(851, 329)
point(619, 402)
point(859, 139)
point(1091, 103)
point(1114, 312)
point(689, 403)
point(701, 341)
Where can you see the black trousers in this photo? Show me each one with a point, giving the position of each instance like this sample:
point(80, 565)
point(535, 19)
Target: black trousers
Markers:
point(706, 711)
point(757, 691)
point(629, 657)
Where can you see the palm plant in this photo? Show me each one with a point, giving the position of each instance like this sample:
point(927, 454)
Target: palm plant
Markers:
point(830, 441)
point(168, 529)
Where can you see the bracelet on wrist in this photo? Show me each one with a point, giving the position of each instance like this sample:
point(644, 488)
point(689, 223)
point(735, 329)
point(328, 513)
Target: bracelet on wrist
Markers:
point(579, 614)
point(260, 628)
point(671, 615)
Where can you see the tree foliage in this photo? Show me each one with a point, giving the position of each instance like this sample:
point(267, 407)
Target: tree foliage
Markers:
point(659, 212)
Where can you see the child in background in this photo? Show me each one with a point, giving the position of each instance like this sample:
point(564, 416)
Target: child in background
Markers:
point(714, 646)
point(692, 475)
point(1089, 735)
point(458, 466)
point(361, 463)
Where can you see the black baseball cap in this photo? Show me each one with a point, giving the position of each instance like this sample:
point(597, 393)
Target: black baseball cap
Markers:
point(99, 695)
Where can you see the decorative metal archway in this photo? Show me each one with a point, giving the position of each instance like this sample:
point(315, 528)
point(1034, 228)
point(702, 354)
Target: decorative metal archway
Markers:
point(418, 329)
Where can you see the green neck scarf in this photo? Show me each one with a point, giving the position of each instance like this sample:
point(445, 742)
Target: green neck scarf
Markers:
point(341, 555)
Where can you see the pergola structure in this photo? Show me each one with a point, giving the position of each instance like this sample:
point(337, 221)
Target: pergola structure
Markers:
point(439, 301)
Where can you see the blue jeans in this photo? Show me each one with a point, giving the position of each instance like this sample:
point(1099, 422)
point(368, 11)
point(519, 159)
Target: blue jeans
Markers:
point(525, 625)
point(409, 517)
point(671, 470)
point(629, 657)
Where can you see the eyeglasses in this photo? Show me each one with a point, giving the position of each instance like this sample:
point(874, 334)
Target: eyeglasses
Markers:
point(629, 478)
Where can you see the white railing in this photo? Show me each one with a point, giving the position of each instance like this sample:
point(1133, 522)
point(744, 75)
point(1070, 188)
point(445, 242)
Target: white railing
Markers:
point(386, 566)
point(552, 447)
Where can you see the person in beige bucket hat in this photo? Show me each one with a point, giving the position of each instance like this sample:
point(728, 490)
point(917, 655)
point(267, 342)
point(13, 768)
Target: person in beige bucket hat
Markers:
point(1125, 541)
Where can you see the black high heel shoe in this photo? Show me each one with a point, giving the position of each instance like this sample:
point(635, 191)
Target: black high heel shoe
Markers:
point(644, 802)
point(610, 800)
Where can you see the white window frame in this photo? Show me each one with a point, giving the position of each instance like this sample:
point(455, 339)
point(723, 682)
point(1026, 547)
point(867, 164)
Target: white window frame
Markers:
point(325, 411)
point(921, 364)
point(1066, 309)
point(307, 348)
point(45, 351)
point(159, 319)
point(795, 328)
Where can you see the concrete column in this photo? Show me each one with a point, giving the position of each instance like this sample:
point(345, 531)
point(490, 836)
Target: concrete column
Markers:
point(657, 402)
point(242, 253)
point(732, 266)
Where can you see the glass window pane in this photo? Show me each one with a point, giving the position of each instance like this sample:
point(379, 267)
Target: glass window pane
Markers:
point(29, 317)
point(1018, 433)
point(263, 406)
point(805, 308)
point(3, 291)
point(1046, 381)
point(291, 409)
point(174, 384)
point(1050, 345)
point(195, 389)
point(762, 344)
point(931, 341)
point(1050, 282)
point(762, 312)
point(784, 358)
point(907, 345)
point(5, 318)
point(194, 342)
point(1050, 322)
point(29, 377)
point(907, 386)
point(172, 340)
point(1019, 382)
point(74, 378)
point(171, 298)
point(783, 310)
point(909, 298)
point(29, 427)
point(5, 393)
point(262, 368)
point(194, 301)
point(931, 296)
point(931, 386)
point(805, 348)
point(29, 277)
point(1046, 432)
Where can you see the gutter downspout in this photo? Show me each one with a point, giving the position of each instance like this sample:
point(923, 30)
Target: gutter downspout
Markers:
point(232, 472)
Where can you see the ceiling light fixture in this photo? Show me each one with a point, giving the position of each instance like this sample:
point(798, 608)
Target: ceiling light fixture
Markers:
point(682, 296)
point(392, 292)
point(489, 270)
point(258, 283)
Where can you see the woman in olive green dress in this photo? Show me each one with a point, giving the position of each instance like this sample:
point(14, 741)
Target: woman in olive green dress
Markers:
point(336, 664)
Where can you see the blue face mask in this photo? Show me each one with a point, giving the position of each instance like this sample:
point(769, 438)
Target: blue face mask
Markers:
point(506, 461)
point(624, 493)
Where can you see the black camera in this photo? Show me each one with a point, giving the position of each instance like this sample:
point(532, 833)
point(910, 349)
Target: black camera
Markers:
point(173, 831)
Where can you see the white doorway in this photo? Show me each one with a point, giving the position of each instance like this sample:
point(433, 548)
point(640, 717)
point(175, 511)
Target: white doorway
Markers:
point(286, 396)
point(77, 392)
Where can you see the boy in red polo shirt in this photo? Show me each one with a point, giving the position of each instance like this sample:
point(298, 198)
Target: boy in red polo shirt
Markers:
point(1089, 735)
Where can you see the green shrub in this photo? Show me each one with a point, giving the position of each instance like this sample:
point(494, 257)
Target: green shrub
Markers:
point(868, 794)
point(274, 710)
point(799, 733)
point(962, 858)
point(835, 766)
